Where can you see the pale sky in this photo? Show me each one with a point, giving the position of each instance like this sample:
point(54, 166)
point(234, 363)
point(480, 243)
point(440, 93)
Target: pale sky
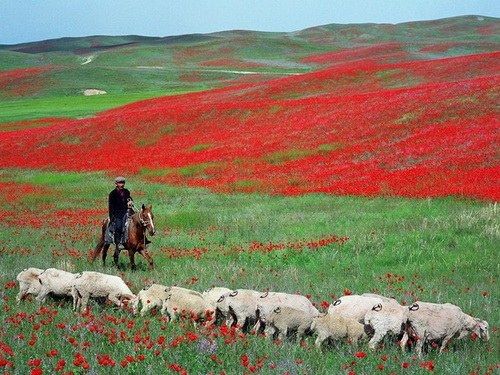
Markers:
point(34, 20)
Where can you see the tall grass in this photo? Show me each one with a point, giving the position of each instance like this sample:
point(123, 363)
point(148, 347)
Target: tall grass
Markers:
point(437, 250)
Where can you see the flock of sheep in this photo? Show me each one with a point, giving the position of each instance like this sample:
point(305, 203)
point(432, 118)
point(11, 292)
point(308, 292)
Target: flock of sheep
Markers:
point(352, 317)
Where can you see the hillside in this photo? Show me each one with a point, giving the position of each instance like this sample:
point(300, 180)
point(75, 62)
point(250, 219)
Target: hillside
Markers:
point(409, 109)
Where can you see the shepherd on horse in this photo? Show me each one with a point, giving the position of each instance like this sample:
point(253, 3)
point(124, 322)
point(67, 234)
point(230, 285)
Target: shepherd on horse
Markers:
point(125, 226)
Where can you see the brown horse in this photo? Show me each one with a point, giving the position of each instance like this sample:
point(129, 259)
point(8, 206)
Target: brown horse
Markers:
point(138, 224)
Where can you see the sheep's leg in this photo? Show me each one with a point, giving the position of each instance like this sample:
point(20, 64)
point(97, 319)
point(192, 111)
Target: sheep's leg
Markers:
point(404, 341)
point(282, 334)
point(319, 341)
point(301, 333)
point(21, 295)
point(42, 297)
point(269, 331)
point(83, 302)
point(445, 341)
point(377, 337)
point(114, 298)
point(419, 345)
point(257, 325)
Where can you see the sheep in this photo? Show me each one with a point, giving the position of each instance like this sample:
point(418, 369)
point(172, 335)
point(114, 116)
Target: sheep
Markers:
point(213, 294)
point(89, 284)
point(28, 282)
point(154, 296)
point(284, 319)
point(386, 318)
point(268, 301)
point(385, 300)
point(432, 321)
point(337, 327)
point(185, 301)
point(240, 305)
point(150, 297)
point(355, 306)
point(55, 282)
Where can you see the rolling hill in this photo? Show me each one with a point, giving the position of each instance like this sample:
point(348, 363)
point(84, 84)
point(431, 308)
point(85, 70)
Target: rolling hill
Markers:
point(408, 109)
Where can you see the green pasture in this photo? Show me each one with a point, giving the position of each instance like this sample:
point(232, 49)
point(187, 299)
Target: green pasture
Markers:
point(436, 250)
point(67, 107)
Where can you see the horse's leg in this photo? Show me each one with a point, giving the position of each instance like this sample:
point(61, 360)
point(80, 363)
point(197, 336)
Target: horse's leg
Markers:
point(148, 257)
point(97, 250)
point(116, 255)
point(131, 254)
point(104, 254)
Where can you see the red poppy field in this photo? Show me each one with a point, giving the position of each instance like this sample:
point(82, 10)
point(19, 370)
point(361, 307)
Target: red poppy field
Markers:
point(338, 160)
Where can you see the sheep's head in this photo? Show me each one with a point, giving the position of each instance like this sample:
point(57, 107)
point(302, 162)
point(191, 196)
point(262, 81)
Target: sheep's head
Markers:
point(482, 329)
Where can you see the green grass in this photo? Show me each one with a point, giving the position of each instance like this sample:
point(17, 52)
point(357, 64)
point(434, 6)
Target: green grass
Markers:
point(68, 106)
point(437, 250)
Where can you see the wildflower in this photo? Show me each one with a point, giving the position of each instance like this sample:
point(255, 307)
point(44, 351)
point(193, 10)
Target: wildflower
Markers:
point(360, 354)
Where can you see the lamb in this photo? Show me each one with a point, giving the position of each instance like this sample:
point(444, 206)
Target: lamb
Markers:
point(28, 282)
point(89, 284)
point(337, 327)
point(356, 306)
point(55, 282)
point(154, 296)
point(384, 319)
point(181, 301)
point(284, 319)
point(240, 305)
point(268, 301)
point(431, 321)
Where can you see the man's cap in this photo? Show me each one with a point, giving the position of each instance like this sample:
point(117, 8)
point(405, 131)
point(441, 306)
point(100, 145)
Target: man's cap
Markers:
point(120, 179)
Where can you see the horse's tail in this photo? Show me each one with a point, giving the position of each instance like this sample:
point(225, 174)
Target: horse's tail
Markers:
point(100, 244)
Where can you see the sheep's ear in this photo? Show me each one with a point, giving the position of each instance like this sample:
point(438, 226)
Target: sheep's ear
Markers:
point(233, 293)
point(277, 310)
point(221, 298)
point(414, 307)
point(377, 307)
point(336, 302)
point(264, 295)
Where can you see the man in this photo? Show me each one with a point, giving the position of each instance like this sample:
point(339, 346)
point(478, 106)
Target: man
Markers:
point(119, 203)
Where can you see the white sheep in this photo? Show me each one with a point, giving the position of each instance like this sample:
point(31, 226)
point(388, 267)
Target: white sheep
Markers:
point(268, 301)
point(355, 306)
point(154, 296)
point(182, 301)
point(89, 284)
point(386, 319)
point(284, 319)
point(213, 294)
point(432, 321)
point(337, 327)
point(150, 297)
point(28, 282)
point(55, 282)
point(239, 305)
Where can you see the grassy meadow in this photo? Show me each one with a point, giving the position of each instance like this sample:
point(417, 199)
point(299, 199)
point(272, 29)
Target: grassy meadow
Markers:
point(437, 250)
point(333, 108)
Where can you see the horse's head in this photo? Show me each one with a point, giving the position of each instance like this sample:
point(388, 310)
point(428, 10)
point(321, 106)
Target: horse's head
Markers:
point(147, 219)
